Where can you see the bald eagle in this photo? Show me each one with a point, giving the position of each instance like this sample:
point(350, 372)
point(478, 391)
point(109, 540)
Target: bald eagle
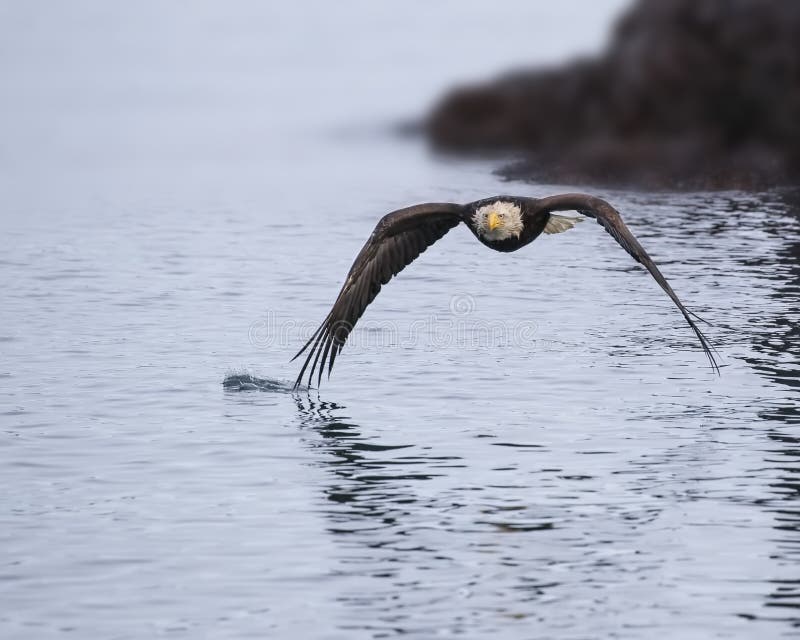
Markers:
point(502, 223)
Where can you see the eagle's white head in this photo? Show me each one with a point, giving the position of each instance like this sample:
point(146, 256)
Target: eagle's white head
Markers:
point(498, 221)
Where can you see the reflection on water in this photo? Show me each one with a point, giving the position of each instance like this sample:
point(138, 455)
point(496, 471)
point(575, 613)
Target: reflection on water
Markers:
point(779, 342)
point(777, 357)
point(785, 505)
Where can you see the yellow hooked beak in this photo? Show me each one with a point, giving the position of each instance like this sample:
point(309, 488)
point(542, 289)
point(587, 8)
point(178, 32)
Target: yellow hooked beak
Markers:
point(493, 221)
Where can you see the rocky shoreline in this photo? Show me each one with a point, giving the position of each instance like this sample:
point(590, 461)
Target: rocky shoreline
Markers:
point(690, 94)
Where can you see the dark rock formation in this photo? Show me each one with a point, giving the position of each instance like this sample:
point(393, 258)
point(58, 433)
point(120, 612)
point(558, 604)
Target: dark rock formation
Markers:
point(690, 94)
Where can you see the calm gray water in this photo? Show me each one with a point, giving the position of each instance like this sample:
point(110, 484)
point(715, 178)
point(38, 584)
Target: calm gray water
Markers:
point(513, 446)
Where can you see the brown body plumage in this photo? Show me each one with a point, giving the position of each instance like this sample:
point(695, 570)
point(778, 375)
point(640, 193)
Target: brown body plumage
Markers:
point(503, 223)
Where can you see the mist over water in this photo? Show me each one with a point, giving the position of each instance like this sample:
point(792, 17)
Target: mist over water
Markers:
point(522, 445)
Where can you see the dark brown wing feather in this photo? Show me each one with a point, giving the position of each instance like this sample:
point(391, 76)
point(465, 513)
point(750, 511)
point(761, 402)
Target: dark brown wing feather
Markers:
point(395, 243)
point(611, 220)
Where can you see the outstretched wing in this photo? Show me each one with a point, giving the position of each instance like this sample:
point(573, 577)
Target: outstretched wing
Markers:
point(611, 220)
point(395, 243)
